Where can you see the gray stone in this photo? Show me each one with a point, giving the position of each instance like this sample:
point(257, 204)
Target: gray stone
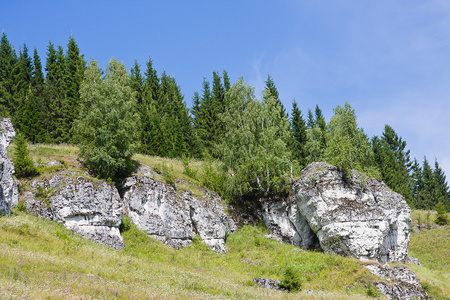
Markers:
point(175, 219)
point(267, 283)
point(360, 217)
point(285, 223)
point(413, 260)
point(9, 186)
point(89, 207)
point(403, 283)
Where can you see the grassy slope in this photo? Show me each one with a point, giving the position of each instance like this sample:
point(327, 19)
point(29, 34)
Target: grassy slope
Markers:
point(41, 259)
point(432, 248)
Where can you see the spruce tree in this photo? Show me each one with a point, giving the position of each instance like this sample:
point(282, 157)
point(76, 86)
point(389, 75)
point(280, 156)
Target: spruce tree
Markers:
point(22, 81)
point(23, 163)
point(271, 91)
point(394, 162)
point(298, 129)
point(151, 133)
point(442, 192)
point(137, 81)
point(226, 81)
point(8, 60)
point(72, 70)
point(311, 123)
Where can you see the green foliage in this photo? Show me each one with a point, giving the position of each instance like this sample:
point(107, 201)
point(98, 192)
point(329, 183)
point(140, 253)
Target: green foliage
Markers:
point(291, 280)
point(441, 218)
point(23, 163)
point(108, 124)
point(347, 146)
point(211, 178)
point(254, 147)
point(188, 171)
point(125, 225)
point(298, 129)
point(372, 291)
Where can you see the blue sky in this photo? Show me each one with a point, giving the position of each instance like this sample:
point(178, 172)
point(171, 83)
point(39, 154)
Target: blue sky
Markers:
point(389, 59)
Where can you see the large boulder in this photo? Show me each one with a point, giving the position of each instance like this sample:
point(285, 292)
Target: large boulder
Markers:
point(9, 192)
point(87, 206)
point(286, 224)
point(175, 219)
point(357, 217)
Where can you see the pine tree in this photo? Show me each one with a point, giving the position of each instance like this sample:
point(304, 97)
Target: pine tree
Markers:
point(22, 80)
point(426, 185)
point(23, 163)
point(394, 162)
point(298, 129)
point(320, 122)
point(8, 60)
point(311, 123)
point(55, 95)
point(271, 91)
point(442, 192)
point(150, 113)
point(137, 82)
point(72, 69)
point(226, 81)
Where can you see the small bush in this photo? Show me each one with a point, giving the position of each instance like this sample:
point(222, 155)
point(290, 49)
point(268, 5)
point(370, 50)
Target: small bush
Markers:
point(212, 179)
point(125, 225)
point(372, 291)
point(291, 280)
point(187, 170)
point(23, 163)
point(21, 206)
point(442, 218)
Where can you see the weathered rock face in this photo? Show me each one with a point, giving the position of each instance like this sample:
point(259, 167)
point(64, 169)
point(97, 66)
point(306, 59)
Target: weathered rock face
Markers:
point(361, 218)
point(175, 219)
point(86, 206)
point(9, 192)
point(286, 224)
point(404, 283)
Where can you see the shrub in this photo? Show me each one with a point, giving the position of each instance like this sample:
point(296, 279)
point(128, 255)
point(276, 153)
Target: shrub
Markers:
point(23, 163)
point(372, 291)
point(441, 214)
point(187, 170)
point(291, 280)
point(125, 225)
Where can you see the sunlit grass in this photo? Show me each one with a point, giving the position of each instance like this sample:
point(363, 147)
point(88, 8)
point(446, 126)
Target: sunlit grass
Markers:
point(40, 259)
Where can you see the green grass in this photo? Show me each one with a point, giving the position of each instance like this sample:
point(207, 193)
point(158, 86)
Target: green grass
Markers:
point(42, 260)
point(432, 248)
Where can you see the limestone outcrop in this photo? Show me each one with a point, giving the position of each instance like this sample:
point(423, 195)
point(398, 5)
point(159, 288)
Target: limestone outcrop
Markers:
point(175, 218)
point(403, 283)
point(358, 217)
point(286, 224)
point(9, 192)
point(87, 206)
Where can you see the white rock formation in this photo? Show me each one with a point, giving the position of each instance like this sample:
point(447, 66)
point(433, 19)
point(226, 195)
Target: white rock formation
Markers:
point(286, 224)
point(403, 283)
point(175, 219)
point(89, 207)
point(360, 218)
point(9, 193)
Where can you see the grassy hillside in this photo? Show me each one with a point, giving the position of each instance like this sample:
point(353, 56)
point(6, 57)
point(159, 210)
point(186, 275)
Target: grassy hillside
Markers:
point(42, 260)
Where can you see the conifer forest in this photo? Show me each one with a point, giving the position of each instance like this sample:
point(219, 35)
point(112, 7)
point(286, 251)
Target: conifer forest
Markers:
point(112, 113)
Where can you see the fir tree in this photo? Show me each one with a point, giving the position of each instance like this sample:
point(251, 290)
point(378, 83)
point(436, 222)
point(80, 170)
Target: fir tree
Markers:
point(8, 60)
point(271, 91)
point(23, 163)
point(72, 69)
point(137, 82)
point(298, 129)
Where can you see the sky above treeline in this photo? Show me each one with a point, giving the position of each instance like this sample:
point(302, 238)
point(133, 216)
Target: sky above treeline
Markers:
point(389, 59)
